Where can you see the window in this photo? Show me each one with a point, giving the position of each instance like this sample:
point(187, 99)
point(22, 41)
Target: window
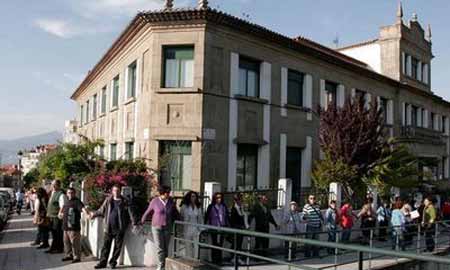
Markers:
point(87, 111)
point(443, 124)
point(132, 80)
point(178, 67)
point(405, 64)
point(294, 170)
point(101, 151)
point(94, 107)
point(129, 150)
point(176, 164)
point(360, 94)
point(115, 92)
point(383, 108)
point(414, 120)
point(331, 92)
point(295, 88)
point(103, 109)
point(249, 77)
point(81, 115)
point(414, 67)
point(113, 152)
point(433, 122)
point(247, 163)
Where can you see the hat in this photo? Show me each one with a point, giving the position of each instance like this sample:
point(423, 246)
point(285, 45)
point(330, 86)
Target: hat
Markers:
point(293, 202)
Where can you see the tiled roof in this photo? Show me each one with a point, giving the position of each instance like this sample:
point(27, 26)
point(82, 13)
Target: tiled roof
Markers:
point(360, 44)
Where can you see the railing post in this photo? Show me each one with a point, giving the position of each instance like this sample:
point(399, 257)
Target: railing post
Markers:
point(360, 260)
point(249, 247)
point(336, 252)
point(290, 251)
point(236, 262)
point(418, 238)
point(396, 241)
point(175, 240)
point(370, 245)
point(436, 233)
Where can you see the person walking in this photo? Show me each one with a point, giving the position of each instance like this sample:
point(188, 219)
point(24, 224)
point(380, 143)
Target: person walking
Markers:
point(383, 218)
point(238, 220)
point(346, 222)
point(116, 215)
point(19, 198)
point(293, 220)
point(71, 216)
point(41, 220)
point(32, 200)
point(191, 212)
point(217, 215)
point(428, 221)
point(55, 204)
point(163, 212)
point(314, 221)
point(331, 223)
point(263, 218)
point(367, 216)
point(398, 226)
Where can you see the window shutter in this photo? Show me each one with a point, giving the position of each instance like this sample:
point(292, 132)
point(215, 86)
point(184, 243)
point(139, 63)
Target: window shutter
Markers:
point(425, 74)
point(266, 72)
point(403, 63)
point(340, 100)
point(234, 74)
point(307, 91)
point(425, 118)
point(390, 112)
point(419, 71)
point(408, 65)
point(323, 95)
point(284, 89)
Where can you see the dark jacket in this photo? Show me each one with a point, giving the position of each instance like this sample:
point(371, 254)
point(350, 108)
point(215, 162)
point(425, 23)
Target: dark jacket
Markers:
point(236, 221)
point(263, 219)
point(125, 214)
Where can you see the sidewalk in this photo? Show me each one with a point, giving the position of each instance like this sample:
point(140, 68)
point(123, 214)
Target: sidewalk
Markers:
point(17, 254)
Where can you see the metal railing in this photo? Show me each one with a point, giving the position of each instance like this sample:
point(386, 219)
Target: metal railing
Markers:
point(365, 253)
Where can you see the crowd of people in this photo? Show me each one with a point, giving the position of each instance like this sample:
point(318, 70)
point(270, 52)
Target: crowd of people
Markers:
point(59, 213)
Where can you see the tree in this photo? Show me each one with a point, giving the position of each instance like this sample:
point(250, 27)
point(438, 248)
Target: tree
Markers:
point(31, 178)
point(70, 162)
point(396, 168)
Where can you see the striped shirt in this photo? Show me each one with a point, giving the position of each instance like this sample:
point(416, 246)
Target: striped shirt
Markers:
point(312, 215)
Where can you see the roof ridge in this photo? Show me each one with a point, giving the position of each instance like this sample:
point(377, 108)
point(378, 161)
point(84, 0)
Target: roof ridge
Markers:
point(359, 44)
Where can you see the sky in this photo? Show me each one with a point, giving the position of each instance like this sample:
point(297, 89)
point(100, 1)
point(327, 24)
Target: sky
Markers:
point(48, 46)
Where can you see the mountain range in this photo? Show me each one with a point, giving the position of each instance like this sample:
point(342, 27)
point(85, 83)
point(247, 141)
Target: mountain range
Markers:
point(9, 148)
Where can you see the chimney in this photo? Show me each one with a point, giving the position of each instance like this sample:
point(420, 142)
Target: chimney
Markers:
point(168, 5)
point(428, 35)
point(202, 4)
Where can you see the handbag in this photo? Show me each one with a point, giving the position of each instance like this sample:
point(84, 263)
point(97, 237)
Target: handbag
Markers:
point(43, 221)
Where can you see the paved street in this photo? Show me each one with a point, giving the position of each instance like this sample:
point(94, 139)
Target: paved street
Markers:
point(17, 254)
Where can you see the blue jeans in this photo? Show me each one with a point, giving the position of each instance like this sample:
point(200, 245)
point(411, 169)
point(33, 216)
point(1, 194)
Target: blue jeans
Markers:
point(312, 233)
point(346, 233)
point(331, 238)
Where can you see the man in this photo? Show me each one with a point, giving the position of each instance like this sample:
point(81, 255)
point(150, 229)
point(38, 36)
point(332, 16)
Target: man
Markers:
point(55, 204)
point(293, 219)
point(163, 212)
point(116, 217)
point(19, 199)
point(428, 220)
point(314, 220)
point(331, 223)
point(263, 218)
point(71, 216)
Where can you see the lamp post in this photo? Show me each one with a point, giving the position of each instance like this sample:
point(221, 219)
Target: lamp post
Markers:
point(19, 156)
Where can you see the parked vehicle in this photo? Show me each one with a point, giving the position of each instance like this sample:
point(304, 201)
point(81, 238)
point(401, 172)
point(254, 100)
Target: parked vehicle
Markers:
point(3, 212)
point(11, 193)
point(7, 200)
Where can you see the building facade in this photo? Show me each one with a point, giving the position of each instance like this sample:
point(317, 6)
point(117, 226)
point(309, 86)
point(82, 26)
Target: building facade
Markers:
point(208, 97)
point(30, 159)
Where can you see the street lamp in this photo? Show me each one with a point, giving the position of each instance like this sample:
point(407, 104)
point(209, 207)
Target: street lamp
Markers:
point(19, 156)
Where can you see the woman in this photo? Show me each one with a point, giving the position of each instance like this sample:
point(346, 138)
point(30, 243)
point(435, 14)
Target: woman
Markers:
point(331, 223)
point(191, 212)
point(295, 225)
point(410, 229)
point(238, 220)
point(398, 226)
point(346, 222)
point(383, 216)
point(40, 217)
point(217, 215)
point(367, 216)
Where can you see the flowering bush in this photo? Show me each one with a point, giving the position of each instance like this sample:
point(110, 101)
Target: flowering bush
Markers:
point(133, 174)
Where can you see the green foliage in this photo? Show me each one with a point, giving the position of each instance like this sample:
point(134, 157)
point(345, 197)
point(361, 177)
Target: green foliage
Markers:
point(329, 170)
point(396, 168)
point(31, 178)
point(70, 162)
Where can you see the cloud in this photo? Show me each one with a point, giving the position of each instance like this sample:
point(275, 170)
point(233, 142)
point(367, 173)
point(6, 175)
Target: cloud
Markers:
point(59, 28)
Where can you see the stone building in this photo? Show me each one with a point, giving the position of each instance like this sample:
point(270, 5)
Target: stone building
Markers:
point(206, 96)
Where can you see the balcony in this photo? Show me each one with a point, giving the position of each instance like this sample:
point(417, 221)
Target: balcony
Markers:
point(422, 135)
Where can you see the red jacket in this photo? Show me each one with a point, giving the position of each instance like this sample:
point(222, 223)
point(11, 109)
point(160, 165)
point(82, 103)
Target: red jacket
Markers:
point(346, 218)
